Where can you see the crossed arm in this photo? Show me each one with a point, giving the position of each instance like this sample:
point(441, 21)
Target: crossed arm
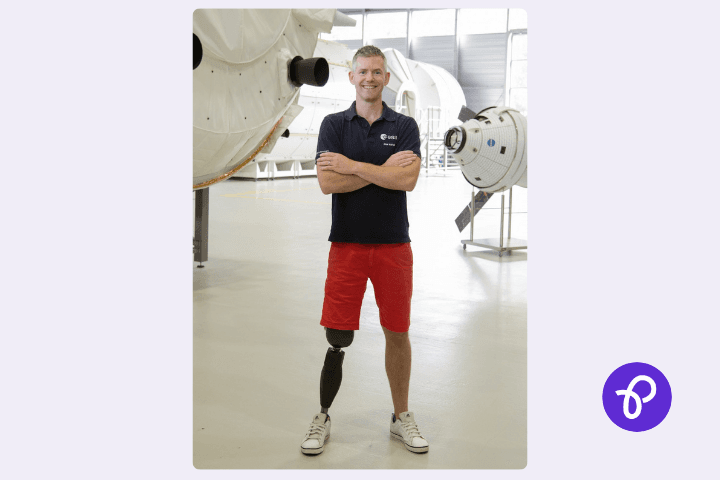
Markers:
point(339, 174)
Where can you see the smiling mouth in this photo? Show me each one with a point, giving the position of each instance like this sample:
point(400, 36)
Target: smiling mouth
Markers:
point(368, 87)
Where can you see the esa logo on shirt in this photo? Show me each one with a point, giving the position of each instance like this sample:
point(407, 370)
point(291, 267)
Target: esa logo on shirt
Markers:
point(388, 137)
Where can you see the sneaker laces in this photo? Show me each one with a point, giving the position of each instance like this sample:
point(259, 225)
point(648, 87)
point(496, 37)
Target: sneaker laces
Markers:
point(316, 431)
point(411, 429)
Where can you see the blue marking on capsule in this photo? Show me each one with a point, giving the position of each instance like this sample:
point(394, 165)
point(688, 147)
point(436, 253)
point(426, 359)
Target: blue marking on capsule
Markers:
point(491, 143)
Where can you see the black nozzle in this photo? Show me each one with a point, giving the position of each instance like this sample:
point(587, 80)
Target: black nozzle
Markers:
point(312, 71)
point(197, 51)
point(286, 133)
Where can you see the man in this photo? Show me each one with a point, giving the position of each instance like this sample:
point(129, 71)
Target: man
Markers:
point(368, 158)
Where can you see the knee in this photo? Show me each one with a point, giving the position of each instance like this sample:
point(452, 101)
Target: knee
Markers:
point(339, 338)
point(395, 338)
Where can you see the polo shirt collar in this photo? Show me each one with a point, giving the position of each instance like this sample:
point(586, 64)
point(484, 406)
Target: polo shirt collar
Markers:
point(387, 114)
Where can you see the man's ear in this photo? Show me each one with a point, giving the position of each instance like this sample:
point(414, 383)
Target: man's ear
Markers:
point(387, 78)
point(350, 76)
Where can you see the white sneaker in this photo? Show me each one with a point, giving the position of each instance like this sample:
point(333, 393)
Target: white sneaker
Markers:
point(406, 429)
point(316, 436)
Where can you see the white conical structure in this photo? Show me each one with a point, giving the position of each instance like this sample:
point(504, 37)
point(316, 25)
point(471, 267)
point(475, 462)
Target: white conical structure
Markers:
point(243, 99)
point(491, 149)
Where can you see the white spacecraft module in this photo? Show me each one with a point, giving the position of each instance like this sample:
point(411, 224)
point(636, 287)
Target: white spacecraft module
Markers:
point(247, 82)
point(316, 102)
point(415, 86)
point(491, 149)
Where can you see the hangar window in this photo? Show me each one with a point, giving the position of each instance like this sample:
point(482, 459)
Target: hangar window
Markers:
point(518, 19)
point(482, 20)
point(517, 75)
point(433, 23)
point(386, 25)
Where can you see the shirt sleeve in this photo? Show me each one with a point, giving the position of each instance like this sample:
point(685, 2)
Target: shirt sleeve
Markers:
point(409, 137)
point(328, 139)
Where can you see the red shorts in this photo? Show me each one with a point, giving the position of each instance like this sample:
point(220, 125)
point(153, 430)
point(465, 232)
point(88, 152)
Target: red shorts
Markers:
point(389, 268)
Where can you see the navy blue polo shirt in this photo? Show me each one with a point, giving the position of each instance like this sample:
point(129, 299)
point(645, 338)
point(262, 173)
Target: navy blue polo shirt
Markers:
point(371, 214)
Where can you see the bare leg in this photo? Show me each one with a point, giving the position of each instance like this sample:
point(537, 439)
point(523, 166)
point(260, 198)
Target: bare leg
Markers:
point(398, 357)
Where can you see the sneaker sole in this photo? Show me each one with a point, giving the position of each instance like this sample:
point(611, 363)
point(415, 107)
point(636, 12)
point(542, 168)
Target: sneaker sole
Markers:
point(409, 447)
point(311, 452)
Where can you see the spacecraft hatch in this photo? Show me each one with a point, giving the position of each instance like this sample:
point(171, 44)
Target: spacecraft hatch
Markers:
point(491, 149)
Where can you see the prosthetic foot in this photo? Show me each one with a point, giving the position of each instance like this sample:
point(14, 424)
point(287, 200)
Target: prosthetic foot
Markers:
point(330, 379)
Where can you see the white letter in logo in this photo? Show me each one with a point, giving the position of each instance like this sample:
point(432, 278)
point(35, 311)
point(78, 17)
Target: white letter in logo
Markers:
point(629, 393)
point(383, 137)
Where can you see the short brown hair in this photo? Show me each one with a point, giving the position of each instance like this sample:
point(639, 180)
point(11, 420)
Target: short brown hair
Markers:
point(369, 51)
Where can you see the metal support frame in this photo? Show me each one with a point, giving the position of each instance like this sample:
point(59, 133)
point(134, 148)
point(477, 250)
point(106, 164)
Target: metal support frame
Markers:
point(498, 244)
point(434, 139)
point(200, 240)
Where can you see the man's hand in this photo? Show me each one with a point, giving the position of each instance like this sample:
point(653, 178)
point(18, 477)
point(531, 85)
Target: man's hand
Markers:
point(336, 163)
point(401, 159)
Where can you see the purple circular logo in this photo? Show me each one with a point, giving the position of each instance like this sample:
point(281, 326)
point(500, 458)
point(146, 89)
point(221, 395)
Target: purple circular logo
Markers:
point(637, 397)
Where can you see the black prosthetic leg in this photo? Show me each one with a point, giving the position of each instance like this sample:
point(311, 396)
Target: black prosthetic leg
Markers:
point(331, 375)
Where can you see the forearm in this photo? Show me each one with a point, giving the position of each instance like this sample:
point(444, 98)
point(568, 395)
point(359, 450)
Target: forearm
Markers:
point(393, 178)
point(333, 182)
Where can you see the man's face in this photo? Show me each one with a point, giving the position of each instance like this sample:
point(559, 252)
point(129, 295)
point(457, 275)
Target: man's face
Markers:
point(369, 78)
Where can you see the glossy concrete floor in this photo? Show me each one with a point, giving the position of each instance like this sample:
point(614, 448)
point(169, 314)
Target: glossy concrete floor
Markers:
point(259, 348)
